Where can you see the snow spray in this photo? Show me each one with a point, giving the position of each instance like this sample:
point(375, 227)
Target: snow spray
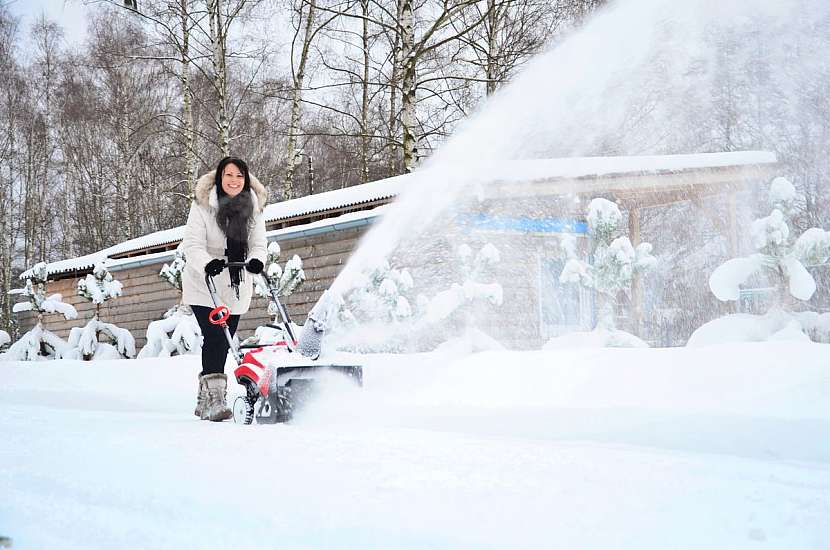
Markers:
point(642, 77)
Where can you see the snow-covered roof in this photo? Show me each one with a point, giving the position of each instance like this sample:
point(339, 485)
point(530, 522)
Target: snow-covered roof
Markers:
point(148, 241)
point(579, 167)
point(498, 171)
point(339, 198)
point(344, 221)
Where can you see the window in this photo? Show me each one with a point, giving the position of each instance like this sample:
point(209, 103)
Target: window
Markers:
point(563, 307)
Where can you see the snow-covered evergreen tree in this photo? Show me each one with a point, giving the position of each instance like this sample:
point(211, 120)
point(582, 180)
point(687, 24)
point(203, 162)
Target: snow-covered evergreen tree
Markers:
point(5, 340)
point(380, 296)
point(285, 280)
point(783, 259)
point(39, 343)
point(475, 270)
point(612, 263)
point(780, 261)
point(173, 273)
point(380, 314)
point(99, 287)
point(452, 312)
point(178, 332)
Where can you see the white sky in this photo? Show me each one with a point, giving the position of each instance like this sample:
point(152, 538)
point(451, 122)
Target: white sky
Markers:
point(70, 14)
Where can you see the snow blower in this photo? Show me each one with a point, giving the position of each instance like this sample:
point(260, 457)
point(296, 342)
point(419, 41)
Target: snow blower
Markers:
point(280, 377)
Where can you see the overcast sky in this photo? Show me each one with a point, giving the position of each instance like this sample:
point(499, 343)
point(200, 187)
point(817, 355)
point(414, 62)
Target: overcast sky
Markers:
point(71, 14)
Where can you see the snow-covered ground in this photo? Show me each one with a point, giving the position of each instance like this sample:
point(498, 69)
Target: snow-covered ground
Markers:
point(714, 447)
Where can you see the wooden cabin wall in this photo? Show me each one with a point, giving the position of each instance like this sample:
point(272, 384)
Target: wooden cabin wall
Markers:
point(146, 296)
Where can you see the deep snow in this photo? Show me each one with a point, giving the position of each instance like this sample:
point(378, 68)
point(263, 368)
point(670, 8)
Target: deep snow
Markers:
point(714, 447)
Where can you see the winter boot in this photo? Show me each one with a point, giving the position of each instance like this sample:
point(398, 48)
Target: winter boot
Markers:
point(215, 409)
point(201, 399)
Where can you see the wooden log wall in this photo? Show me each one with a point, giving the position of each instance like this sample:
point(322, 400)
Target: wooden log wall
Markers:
point(146, 296)
point(516, 323)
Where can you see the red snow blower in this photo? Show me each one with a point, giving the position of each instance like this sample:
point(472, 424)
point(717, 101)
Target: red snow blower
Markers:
point(280, 377)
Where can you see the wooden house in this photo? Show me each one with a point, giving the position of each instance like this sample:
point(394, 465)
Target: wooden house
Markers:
point(517, 203)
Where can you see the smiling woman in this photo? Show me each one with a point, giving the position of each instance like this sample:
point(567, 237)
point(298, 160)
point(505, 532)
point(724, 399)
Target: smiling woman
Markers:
point(225, 225)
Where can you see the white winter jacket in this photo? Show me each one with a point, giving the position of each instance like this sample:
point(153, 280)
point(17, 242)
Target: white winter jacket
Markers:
point(204, 240)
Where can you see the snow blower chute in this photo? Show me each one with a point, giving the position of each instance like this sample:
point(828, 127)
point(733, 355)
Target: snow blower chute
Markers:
point(279, 377)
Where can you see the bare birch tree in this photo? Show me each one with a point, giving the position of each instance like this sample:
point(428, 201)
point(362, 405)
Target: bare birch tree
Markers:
point(12, 111)
point(512, 32)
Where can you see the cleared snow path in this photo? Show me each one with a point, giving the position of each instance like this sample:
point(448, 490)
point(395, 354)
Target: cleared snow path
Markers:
point(719, 447)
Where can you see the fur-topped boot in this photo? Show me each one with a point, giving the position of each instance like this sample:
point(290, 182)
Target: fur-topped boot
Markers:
point(201, 398)
point(215, 409)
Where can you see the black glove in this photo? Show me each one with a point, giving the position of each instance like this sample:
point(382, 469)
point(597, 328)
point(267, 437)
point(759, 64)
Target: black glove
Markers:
point(215, 267)
point(254, 266)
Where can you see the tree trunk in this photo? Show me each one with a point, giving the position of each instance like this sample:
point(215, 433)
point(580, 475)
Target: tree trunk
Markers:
point(218, 42)
point(364, 106)
point(408, 62)
point(189, 132)
point(492, 47)
point(296, 99)
point(392, 166)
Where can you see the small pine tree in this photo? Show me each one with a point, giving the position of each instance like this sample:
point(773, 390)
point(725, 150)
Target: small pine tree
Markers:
point(177, 332)
point(5, 340)
point(173, 273)
point(99, 287)
point(778, 256)
point(39, 343)
point(285, 280)
point(474, 270)
point(381, 296)
point(612, 263)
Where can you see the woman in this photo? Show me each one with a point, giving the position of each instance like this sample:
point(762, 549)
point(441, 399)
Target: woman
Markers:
point(225, 224)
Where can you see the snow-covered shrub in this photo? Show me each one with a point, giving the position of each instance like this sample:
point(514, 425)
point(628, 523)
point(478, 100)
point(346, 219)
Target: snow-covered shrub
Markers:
point(778, 256)
point(84, 342)
point(269, 335)
point(284, 280)
point(379, 296)
point(39, 343)
point(475, 270)
point(453, 311)
point(99, 287)
point(782, 261)
point(744, 327)
point(177, 332)
point(173, 273)
point(613, 261)
point(380, 313)
point(597, 338)
point(5, 340)
point(36, 299)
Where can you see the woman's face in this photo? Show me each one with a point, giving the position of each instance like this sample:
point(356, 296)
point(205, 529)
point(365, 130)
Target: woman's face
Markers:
point(233, 180)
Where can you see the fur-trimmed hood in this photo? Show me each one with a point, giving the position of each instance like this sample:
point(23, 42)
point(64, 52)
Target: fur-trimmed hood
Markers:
point(205, 193)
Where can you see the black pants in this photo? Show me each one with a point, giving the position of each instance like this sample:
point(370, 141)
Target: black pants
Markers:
point(215, 346)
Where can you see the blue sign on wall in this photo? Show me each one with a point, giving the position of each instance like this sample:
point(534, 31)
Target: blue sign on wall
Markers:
point(522, 224)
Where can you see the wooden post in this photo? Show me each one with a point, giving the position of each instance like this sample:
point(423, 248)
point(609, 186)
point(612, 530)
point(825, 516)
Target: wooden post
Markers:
point(636, 283)
point(732, 199)
point(733, 224)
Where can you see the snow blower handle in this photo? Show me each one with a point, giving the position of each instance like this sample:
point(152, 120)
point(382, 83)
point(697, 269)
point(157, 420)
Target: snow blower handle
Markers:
point(219, 315)
point(286, 320)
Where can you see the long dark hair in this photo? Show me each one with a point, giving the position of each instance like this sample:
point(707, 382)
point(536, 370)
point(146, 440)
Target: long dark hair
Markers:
point(234, 216)
point(234, 213)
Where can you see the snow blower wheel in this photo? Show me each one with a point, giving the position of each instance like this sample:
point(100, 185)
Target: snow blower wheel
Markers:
point(243, 410)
